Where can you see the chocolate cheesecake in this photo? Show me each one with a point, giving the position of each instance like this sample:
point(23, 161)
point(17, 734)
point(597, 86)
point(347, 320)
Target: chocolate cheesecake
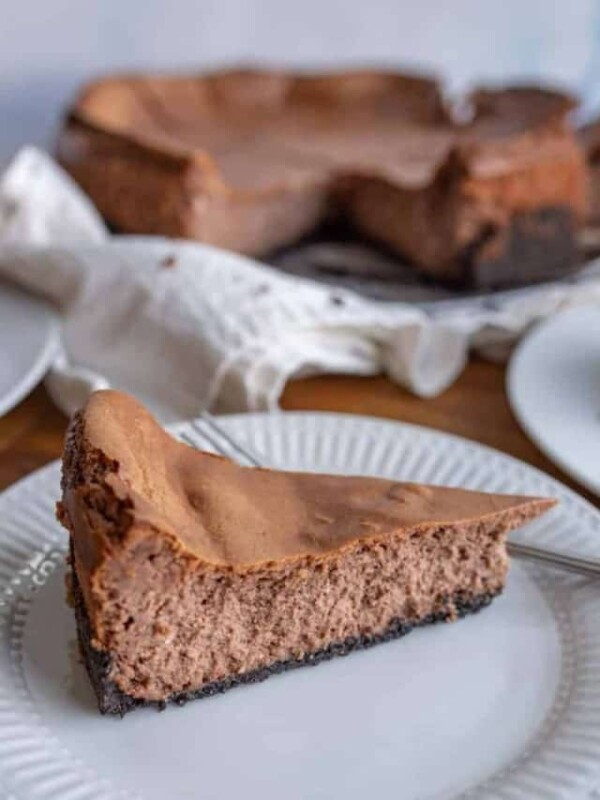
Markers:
point(190, 574)
point(253, 161)
point(589, 138)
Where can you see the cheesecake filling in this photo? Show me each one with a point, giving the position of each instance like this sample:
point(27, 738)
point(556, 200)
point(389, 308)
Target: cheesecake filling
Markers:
point(172, 626)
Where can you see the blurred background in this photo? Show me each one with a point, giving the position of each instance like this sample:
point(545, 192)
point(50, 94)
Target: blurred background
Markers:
point(48, 48)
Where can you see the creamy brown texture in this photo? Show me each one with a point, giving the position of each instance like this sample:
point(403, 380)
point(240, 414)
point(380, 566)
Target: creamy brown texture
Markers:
point(252, 161)
point(589, 139)
point(194, 569)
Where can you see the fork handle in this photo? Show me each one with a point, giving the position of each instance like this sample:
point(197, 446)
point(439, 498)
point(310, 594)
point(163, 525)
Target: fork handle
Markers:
point(583, 566)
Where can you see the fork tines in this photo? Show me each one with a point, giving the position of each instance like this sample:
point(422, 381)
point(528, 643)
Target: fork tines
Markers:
point(208, 430)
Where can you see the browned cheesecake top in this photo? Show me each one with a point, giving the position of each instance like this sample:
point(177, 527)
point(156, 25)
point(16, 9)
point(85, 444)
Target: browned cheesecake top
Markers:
point(225, 514)
point(252, 130)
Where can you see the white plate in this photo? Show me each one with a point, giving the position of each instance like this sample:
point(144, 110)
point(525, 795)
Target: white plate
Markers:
point(28, 338)
point(504, 704)
point(553, 386)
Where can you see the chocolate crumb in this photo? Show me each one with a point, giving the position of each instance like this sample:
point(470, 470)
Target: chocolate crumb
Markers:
point(168, 262)
point(336, 300)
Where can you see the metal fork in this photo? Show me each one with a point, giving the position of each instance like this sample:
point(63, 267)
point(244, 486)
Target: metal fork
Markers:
point(214, 433)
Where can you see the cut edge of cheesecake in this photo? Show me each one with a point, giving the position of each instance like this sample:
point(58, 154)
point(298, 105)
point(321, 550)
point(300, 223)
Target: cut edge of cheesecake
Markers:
point(183, 558)
point(112, 700)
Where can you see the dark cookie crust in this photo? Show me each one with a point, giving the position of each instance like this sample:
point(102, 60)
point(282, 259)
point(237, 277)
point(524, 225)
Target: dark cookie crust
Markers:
point(537, 246)
point(111, 700)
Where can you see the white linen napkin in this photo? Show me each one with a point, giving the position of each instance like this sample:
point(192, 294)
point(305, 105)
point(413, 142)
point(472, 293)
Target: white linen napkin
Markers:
point(185, 326)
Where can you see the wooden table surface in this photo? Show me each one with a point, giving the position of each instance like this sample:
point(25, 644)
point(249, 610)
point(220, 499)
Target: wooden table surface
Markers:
point(474, 407)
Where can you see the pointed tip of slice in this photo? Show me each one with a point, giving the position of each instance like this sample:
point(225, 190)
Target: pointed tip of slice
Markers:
point(523, 510)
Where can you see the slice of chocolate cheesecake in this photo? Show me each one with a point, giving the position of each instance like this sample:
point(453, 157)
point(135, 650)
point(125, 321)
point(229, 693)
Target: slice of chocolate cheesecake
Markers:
point(191, 574)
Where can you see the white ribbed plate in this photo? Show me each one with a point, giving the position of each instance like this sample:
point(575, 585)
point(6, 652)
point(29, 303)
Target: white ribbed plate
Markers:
point(553, 386)
point(504, 704)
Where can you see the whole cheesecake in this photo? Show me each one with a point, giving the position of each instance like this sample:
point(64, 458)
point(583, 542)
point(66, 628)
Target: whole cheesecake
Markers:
point(191, 574)
point(253, 161)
